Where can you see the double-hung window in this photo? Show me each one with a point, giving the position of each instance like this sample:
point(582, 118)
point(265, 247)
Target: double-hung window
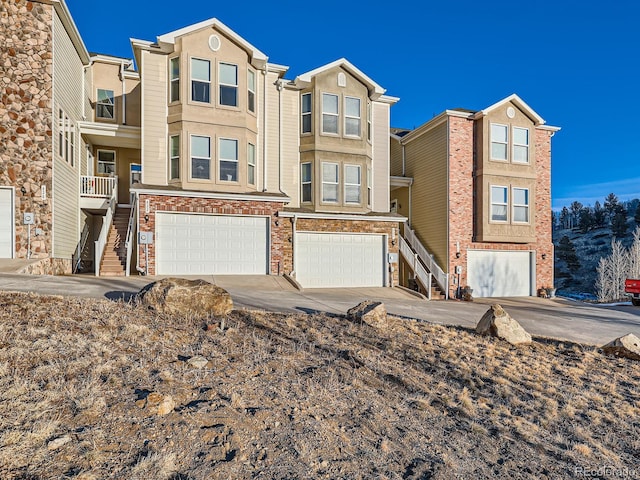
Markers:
point(106, 162)
point(369, 186)
point(330, 182)
point(499, 203)
point(329, 113)
point(251, 164)
point(228, 158)
point(251, 91)
point(521, 205)
point(305, 181)
point(200, 157)
point(499, 141)
point(352, 116)
point(305, 109)
point(352, 181)
point(200, 80)
point(228, 80)
point(174, 157)
point(174, 79)
point(369, 121)
point(105, 104)
point(520, 145)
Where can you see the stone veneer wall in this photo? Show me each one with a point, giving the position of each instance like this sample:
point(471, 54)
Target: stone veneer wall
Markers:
point(26, 57)
point(461, 208)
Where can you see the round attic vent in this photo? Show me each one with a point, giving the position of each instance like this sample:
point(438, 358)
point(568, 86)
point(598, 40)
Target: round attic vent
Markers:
point(511, 112)
point(214, 43)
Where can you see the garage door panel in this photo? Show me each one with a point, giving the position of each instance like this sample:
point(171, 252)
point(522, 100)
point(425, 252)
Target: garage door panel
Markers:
point(337, 260)
point(499, 274)
point(6, 223)
point(211, 244)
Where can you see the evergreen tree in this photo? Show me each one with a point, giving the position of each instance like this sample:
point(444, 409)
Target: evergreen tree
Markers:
point(566, 251)
point(619, 221)
point(565, 218)
point(636, 217)
point(575, 211)
point(585, 223)
point(599, 215)
point(610, 205)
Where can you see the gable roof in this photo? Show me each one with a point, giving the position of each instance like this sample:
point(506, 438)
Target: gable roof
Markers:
point(258, 59)
point(517, 101)
point(375, 90)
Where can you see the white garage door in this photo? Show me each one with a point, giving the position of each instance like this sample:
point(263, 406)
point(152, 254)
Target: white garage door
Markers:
point(6, 223)
point(339, 260)
point(188, 244)
point(499, 274)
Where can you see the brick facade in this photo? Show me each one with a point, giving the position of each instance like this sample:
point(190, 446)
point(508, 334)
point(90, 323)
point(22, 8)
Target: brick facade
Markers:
point(462, 210)
point(25, 121)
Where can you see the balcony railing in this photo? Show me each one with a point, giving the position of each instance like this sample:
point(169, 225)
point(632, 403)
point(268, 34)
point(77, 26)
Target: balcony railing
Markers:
point(98, 187)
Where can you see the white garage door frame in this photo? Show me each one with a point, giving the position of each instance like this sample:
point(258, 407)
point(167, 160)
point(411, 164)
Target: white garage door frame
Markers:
point(7, 222)
point(381, 271)
point(261, 264)
point(508, 284)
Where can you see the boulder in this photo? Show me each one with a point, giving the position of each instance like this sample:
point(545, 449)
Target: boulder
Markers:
point(370, 312)
point(498, 323)
point(627, 346)
point(157, 404)
point(179, 296)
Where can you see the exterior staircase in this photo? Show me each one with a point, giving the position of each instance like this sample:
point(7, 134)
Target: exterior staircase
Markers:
point(428, 277)
point(114, 261)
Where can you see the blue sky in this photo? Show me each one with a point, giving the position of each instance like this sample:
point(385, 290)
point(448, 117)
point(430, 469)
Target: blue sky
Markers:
point(577, 64)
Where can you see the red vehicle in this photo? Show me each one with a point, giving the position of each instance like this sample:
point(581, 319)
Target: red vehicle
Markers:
point(632, 288)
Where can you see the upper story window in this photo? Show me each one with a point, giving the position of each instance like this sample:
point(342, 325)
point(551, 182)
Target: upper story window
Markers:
point(228, 158)
point(174, 157)
point(251, 91)
point(228, 80)
point(305, 109)
point(305, 181)
point(200, 80)
point(499, 203)
point(330, 182)
point(105, 104)
point(107, 162)
point(369, 186)
point(499, 141)
point(352, 183)
point(329, 113)
point(251, 164)
point(520, 145)
point(352, 116)
point(521, 205)
point(369, 121)
point(174, 79)
point(200, 157)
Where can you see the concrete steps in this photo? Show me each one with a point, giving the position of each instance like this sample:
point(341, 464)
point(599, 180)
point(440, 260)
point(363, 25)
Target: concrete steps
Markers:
point(114, 261)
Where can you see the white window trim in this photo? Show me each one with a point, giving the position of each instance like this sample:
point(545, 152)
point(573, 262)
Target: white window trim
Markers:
point(173, 80)
point(514, 205)
point(115, 161)
point(222, 84)
point(492, 203)
point(359, 185)
point(369, 123)
point(369, 186)
point(249, 164)
point(113, 105)
point(359, 117)
point(191, 157)
point(171, 157)
point(336, 183)
point(236, 160)
point(309, 182)
point(198, 102)
point(303, 114)
point(513, 155)
point(249, 91)
point(337, 115)
point(491, 142)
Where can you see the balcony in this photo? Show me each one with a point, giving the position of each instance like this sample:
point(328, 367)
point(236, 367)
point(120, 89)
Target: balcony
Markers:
point(96, 192)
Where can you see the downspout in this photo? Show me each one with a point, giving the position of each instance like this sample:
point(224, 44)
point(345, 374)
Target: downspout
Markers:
point(140, 270)
point(410, 204)
point(404, 164)
point(279, 87)
point(265, 136)
point(84, 89)
point(124, 95)
point(294, 222)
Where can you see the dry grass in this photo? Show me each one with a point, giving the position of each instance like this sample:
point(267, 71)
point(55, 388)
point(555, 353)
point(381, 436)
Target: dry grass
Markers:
point(303, 396)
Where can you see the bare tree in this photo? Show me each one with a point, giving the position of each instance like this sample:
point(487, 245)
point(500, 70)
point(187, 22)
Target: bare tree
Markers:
point(634, 255)
point(612, 272)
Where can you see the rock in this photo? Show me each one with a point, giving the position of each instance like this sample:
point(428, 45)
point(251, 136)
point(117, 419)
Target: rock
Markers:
point(166, 406)
point(198, 362)
point(370, 312)
point(498, 323)
point(58, 442)
point(627, 346)
point(179, 296)
point(157, 404)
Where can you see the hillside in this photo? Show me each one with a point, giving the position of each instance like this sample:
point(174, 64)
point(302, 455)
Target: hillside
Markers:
point(83, 386)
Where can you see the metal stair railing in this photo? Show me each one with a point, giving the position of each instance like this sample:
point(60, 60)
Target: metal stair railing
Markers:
point(441, 278)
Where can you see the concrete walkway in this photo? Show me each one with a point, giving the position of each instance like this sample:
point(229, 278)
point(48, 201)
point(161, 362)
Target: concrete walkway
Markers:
point(556, 318)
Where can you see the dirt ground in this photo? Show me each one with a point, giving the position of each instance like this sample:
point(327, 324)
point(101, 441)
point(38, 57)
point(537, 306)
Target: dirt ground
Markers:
point(92, 389)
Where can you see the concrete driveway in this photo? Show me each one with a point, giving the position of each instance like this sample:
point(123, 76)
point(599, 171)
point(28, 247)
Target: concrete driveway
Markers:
point(556, 318)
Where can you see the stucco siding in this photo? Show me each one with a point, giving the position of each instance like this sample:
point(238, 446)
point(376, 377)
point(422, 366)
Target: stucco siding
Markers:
point(154, 119)
point(380, 170)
